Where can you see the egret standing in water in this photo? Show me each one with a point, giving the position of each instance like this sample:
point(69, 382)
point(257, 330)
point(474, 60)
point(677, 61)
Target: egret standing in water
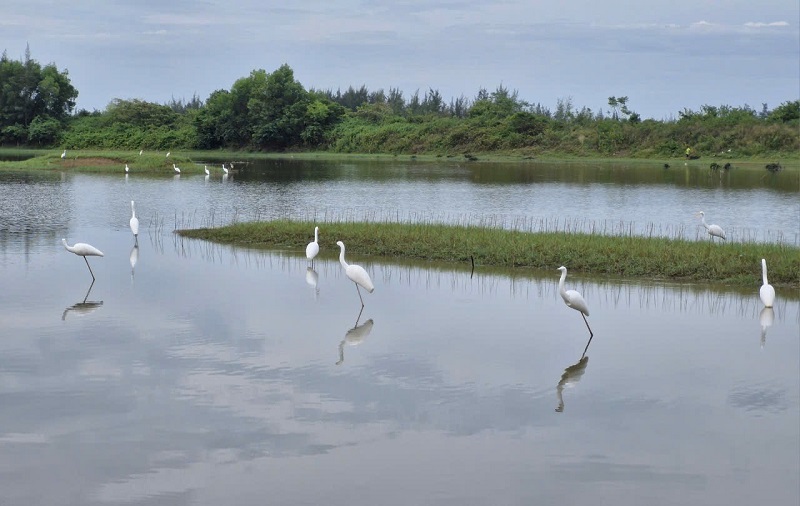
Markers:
point(224, 169)
point(356, 273)
point(313, 247)
point(83, 250)
point(134, 223)
point(176, 168)
point(767, 292)
point(127, 168)
point(205, 168)
point(713, 230)
point(574, 300)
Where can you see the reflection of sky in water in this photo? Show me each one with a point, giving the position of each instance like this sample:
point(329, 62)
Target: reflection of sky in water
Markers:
point(209, 375)
point(212, 377)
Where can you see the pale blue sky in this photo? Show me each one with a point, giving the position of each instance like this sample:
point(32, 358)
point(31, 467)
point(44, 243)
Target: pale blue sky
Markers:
point(663, 55)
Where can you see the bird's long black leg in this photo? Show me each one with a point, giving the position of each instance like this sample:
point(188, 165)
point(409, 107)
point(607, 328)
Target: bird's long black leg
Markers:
point(359, 296)
point(359, 316)
point(90, 268)
point(591, 334)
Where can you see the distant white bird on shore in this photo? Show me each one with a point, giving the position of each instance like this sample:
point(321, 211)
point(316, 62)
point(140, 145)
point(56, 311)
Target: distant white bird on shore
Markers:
point(140, 152)
point(126, 168)
point(64, 154)
point(168, 152)
point(713, 230)
point(224, 169)
point(83, 250)
point(176, 168)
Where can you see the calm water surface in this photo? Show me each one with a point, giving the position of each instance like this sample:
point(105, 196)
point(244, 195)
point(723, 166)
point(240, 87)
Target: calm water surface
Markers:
point(212, 375)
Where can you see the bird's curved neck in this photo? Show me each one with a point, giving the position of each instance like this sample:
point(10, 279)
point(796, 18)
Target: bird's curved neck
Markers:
point(341, 257)
point(133, 210)
point(561, 289)
point(764, 271)
point(316, 234)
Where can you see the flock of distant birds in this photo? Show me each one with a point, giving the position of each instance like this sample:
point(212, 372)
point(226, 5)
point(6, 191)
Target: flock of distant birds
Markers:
point(360, 277)
point(175, 168)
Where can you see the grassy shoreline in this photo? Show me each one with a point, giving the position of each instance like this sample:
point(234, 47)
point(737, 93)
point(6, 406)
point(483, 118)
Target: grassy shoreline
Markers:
point(737, 264)
point(86, 160)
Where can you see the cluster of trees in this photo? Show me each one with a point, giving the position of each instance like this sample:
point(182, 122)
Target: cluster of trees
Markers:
point(35, 101)
point(273, 111)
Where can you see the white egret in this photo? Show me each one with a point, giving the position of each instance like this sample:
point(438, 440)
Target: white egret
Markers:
point(574, 300)
point(176, 168)
point(168, 153)
point(205, 168)
point(713, 230)
point(83, 250)
point(64, 154)
point(224, 169)
point(134, 223)
point(313, 247)
point(767, 292)
point(140, 152)
point(127, 169)
point(356, 273)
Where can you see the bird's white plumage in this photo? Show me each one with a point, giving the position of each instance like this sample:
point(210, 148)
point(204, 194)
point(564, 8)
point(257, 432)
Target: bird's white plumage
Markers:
point(713, 230)
point(82, 249)
point(134, 223)
point(767, 292)
point(176, 168)
point(127, 168)
point(571, 298)
point(356, 273)
point(224, 169)
point(205, 168)
point(313, 247)
point(64, 154)
point(168, 153)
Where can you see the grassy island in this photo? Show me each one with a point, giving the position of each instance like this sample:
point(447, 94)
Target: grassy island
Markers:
point(629, 256)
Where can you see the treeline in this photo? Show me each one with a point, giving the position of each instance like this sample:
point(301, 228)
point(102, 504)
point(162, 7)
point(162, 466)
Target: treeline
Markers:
point(273, 112)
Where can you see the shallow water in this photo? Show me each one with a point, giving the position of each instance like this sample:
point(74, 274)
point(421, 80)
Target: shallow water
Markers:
point(207, 374)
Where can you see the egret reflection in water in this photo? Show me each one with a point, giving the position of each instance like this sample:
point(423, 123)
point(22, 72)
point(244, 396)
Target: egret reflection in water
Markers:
point(134, 258)
point(571, 376)
point(312, 278)
point(355, 336)
point(765, 318)
point(83, 307)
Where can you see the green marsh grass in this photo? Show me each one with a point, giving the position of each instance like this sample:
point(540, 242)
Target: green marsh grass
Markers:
point(84, 160)
point(658, 258)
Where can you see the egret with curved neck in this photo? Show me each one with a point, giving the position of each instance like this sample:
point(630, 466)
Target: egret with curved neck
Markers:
point(313, 247)
point(356, 273)
point(134, 223)
point(713, 230)
point(83, 250)
point(574, 300)
point(767, 292)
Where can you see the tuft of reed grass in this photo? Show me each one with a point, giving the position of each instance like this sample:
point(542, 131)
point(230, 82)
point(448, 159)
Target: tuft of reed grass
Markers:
point(618, 256)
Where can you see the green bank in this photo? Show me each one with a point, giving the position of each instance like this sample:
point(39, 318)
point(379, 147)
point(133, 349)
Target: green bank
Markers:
point(614, 256)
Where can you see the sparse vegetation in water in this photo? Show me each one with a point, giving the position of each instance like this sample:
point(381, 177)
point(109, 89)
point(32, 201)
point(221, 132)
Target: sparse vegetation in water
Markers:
point(618, 256)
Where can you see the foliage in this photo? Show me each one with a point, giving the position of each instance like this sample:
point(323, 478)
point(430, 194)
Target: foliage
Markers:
point(33, 96)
